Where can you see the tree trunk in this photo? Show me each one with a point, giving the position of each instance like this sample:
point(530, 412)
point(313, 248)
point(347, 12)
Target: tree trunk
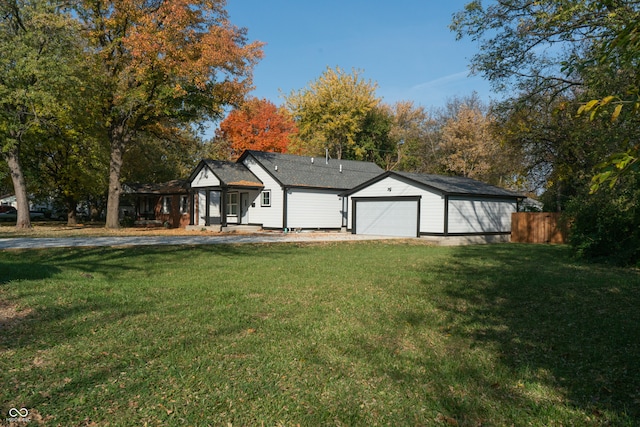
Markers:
point(117, 138)
point(19, 187)
point(72, 218)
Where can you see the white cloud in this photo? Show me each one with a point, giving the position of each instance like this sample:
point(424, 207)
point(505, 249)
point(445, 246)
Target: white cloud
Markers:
point(439, 82)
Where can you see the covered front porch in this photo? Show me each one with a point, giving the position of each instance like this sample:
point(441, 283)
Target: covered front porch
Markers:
point(221, 194)
point(223, 208)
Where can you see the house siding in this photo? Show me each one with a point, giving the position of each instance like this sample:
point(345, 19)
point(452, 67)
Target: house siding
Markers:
point(268, 216)
point(469, 215)
point(431, 208)
point(311, 208)
point(205, 178)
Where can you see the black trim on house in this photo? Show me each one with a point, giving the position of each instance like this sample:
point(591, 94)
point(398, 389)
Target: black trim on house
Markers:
point(479, 233)
point(284, 207)
point(207, 213)
point(223, 206)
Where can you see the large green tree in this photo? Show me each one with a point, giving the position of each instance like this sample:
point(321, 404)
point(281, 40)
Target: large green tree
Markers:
point(38, 77)
point(331, 112)
point(163, 64)
point(562, 48)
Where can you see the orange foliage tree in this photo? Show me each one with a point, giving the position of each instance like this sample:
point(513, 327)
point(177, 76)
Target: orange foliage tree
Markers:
point(258, 125)
point(164, 66)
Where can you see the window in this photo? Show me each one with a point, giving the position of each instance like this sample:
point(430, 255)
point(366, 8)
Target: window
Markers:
point(232, 204)
point(166, 204)
point(184, 204)
point(265, 199)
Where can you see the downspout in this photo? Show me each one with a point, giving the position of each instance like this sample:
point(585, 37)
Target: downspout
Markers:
point(446, 215)
point(345, 213)
point(284, 209)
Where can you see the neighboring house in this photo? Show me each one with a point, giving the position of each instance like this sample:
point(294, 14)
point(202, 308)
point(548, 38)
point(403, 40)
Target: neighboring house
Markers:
point(156, 204)
point(8, 200)
point(413, 205)
point(275, 191)
point(41, 206)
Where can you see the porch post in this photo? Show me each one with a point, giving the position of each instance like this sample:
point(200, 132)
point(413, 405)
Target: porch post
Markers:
point(223, 207)
point(191, 207)
point(207, 215)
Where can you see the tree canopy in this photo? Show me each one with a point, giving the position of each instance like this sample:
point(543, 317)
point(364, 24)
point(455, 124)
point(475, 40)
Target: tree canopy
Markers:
point(573, 67)
point(258, 125)
point(39, 69)
point(163, 65)
point(331, 112)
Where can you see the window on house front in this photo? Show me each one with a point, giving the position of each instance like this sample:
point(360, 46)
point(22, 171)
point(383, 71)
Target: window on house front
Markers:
point(232, 204)
point(265, 199)
point(184, 204)
point(166, 204)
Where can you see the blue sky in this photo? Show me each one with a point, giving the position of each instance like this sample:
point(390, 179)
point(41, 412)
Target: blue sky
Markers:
point(405, 46)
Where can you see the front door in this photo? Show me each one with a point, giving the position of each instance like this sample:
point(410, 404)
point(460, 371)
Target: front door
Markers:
point(244, 208)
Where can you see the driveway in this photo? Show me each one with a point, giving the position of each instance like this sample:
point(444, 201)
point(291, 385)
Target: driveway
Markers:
point(63, 242)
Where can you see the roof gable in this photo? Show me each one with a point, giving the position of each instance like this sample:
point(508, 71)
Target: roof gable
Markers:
point(228, 173)
point(314, 172)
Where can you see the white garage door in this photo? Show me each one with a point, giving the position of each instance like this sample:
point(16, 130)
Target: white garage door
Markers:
point(387, 217)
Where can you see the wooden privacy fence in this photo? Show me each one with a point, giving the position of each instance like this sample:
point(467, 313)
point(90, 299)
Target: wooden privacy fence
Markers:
point(537, 227)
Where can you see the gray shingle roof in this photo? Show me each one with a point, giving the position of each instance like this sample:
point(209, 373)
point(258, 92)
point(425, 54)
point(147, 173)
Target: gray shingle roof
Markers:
point(231, 173)
point(457, 185)
point(300, 171)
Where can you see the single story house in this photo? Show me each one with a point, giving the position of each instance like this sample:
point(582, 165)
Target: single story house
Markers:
point(413, 205)
point(275, 191)
point(289, 192)
point(165, 204)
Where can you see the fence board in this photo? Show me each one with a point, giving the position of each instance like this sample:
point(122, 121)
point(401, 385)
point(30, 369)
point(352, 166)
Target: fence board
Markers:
point(537, 227)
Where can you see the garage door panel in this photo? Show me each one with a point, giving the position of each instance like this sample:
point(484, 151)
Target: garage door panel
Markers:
point(387, 217)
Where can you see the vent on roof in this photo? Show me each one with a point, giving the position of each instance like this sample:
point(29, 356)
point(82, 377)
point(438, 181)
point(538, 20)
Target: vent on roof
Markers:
point(312, 160)
point(276, 168)
point(340, 168)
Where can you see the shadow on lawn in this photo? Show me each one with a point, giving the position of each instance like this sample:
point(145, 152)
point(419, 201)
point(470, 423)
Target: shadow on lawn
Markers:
point(571, 327)
point(65, 301)
point(58, 315)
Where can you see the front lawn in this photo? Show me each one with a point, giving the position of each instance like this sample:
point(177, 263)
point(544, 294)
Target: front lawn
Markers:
point(354, 334)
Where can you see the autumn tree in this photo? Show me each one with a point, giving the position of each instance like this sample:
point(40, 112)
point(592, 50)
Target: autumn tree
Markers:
point(412, 131)
point(257, 125)
point(331, 111)
point(163, 64)
point(38, 75)
point(467, 144)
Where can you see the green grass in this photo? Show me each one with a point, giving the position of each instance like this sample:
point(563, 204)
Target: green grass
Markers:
point(356, 334)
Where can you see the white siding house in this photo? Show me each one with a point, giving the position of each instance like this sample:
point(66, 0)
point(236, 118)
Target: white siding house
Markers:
point(305, 191)
point(441, 206)
point(275, 191)
point(288, 192)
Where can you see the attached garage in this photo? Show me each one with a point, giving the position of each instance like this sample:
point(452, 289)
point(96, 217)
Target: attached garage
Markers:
point(386, 216)
point(413, 205)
